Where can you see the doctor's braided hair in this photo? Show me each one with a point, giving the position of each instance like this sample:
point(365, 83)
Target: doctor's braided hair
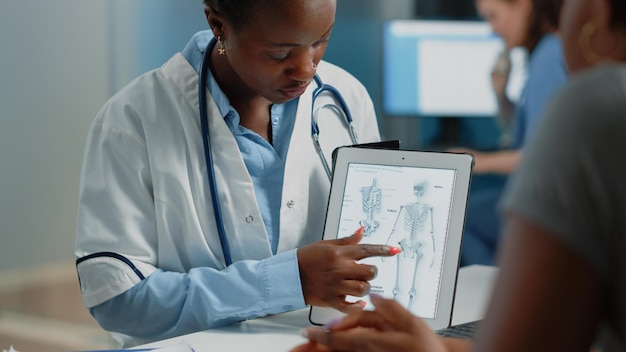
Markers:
point(238, 12)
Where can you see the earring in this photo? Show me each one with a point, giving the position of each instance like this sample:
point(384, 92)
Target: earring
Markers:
point(314, 66)
point(221, 49)
point(584, 42)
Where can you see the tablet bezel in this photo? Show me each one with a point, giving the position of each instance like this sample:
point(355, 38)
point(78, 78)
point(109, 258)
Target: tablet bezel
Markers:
point(462, 163)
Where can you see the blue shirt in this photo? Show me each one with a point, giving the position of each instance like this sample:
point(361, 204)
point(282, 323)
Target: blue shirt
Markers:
point(167, 304)
point(547, 73)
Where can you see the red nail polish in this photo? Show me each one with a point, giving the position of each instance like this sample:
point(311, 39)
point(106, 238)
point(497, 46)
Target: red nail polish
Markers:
point(395, 250)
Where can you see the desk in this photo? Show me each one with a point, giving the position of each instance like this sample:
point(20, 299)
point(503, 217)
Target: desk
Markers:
point(281, 332)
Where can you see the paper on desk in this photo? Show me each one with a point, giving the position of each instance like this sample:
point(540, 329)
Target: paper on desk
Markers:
point(178, 347)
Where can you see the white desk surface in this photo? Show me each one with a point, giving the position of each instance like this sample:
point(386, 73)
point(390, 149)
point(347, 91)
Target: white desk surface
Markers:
point(282, 332)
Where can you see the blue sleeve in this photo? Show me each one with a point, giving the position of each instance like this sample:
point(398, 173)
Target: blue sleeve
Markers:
point(547, 74)
point(167, 304)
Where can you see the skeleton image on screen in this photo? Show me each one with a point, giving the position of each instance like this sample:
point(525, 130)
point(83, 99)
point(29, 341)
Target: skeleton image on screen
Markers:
point(413, 231)
point(371, 204)
point(406, 207)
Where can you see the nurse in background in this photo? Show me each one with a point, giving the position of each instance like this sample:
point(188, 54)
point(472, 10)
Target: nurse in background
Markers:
point(148, 253)
point(532, 25)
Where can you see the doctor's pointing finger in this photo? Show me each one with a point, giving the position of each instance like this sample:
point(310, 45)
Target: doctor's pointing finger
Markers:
point(329, 270)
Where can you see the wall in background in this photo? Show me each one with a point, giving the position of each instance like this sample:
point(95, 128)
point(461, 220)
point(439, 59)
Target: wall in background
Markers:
point(61, 60)
point(356, 46)
point(146, 33)
point(53, 79)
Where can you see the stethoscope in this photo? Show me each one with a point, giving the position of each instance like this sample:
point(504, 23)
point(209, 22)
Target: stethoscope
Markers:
point(315, 133)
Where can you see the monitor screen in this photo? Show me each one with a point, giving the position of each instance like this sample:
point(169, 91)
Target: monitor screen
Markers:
point(442, 68)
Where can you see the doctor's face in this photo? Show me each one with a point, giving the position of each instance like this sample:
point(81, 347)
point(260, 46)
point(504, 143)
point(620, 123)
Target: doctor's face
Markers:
point(276, 53)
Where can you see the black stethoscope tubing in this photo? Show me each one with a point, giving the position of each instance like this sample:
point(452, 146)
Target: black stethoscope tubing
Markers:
point(208, 155)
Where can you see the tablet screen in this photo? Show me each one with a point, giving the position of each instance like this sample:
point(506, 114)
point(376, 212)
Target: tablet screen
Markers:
point(414, 200)
point(406, 207)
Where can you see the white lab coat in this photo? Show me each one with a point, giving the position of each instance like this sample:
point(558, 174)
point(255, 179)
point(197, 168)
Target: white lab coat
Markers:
point(144, 194)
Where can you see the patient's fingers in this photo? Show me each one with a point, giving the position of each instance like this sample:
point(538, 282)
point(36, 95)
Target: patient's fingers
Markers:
point(388, 315)
point(363, 318)
point(364, 339)
point(396, 315)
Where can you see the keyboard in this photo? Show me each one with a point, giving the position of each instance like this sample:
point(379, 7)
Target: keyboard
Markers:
point(465, 331)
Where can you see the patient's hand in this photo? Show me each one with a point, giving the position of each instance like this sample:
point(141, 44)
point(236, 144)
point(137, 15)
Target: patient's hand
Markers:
point(389, 328)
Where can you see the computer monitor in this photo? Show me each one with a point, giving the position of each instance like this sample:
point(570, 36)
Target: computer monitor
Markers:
point(441, 68)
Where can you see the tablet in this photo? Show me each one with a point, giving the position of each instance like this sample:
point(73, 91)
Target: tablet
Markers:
point(414, 200)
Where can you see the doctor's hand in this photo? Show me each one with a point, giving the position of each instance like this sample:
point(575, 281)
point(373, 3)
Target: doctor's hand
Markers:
point(389, 327)
point(329, 271)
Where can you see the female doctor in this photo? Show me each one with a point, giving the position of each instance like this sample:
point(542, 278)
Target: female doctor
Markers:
point(151, 261)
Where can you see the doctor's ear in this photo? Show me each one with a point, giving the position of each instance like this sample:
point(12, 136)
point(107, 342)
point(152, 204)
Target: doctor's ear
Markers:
point(214, 19)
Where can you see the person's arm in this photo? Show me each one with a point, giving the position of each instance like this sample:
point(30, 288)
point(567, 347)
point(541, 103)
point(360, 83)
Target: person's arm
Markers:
point(546, 298)
point(506, 108)
point(506, 112)
point(167, 304)
point(501, 162)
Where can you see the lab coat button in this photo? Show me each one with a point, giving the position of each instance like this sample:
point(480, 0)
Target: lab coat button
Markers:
point(290, 204)
point(249, 219)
